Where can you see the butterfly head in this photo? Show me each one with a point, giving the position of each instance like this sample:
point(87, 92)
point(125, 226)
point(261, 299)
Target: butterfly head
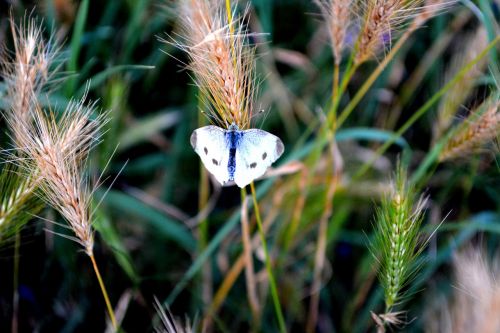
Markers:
point(233, 127)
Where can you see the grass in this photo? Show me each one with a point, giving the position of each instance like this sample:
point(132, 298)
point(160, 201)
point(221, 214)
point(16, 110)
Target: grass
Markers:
point(334, 238)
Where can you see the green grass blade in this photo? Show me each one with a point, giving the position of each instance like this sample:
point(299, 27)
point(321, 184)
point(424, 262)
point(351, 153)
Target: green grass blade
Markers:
point(170, 229)
point(111, 237)
point(75, 46)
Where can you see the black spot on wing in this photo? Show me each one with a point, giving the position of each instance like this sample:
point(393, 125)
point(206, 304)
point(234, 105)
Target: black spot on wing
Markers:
point(253, 165)
point(264, 156)
point(214, 161)
point(205, 150)
point(193, 139)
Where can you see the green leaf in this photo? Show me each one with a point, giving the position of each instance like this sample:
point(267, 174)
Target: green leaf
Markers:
point(147, 127)
point(99, 79)
point(172, 230)
point(111, 237)
point(370, 134)
point(76, 44)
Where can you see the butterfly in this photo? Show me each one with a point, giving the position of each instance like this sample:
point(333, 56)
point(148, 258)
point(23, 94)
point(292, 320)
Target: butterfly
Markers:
point(236, 155)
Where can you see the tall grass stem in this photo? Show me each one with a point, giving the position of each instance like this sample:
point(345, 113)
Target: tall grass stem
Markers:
point(272, 281)
point(104, 293)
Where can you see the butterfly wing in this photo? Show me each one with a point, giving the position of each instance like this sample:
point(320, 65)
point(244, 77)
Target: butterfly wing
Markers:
point(256, 151)
point(210, 144)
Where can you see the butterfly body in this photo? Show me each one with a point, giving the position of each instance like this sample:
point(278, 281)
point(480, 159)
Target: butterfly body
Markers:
point(233, 137)
point(236, 155)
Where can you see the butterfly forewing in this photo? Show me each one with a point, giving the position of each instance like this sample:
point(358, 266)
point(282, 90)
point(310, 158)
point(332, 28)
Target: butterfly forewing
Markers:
point(210, 144)
point(256, 151)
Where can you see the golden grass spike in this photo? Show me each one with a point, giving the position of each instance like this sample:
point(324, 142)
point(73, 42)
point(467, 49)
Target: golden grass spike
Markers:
point(26, 73)
point(221, 60)
point(382, 18)
point(474, 132)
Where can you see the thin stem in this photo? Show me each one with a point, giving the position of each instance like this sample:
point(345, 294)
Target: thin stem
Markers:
point(272, 282)
point(332, 114)
point(371, 79)
point(247, 254)
point(104, 293)
point(335, 89)
point(15, 300)
point(229, 17)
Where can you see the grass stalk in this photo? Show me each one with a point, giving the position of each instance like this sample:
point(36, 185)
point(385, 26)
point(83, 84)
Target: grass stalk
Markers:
point(226, 285)
point(272, 281)
point(104, 293)
point(247, 255)
point(335, 89)
point(371, 79)
point(234, 272)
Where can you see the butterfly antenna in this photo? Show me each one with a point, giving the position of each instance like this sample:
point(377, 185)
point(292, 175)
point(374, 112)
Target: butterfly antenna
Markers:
point(210, 117)
point(256, 115)
point(266, 114)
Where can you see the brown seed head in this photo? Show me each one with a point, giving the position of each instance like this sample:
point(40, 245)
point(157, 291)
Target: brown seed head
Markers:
point(221, 60)
point(474, 132)
point(55, 148)
point(382, 18)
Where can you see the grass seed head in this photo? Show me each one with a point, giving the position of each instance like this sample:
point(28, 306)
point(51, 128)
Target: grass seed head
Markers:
point(221, 60)
point(397, 239)
point(337, 15)
point(480, 127)
point(382, 18)
point(26, 73)
point(56, 148)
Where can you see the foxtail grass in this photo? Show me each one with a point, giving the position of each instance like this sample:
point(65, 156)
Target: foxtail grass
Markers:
point(25, 73)
point(50, 150)
point(482, 126)
point(221, 59)
point(397, 245)
point(57, 149)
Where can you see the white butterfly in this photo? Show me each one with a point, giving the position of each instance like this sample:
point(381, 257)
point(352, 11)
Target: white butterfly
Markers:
point(236, 155)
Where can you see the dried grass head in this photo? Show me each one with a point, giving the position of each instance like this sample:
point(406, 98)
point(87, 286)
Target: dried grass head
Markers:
point(26, 72)
point(337, 15)
point(382, 19)
point(55, 150)
point(221, 60)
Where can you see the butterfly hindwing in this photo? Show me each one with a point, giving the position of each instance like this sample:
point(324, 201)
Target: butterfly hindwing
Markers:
point(256, 151)
point(210, 144)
